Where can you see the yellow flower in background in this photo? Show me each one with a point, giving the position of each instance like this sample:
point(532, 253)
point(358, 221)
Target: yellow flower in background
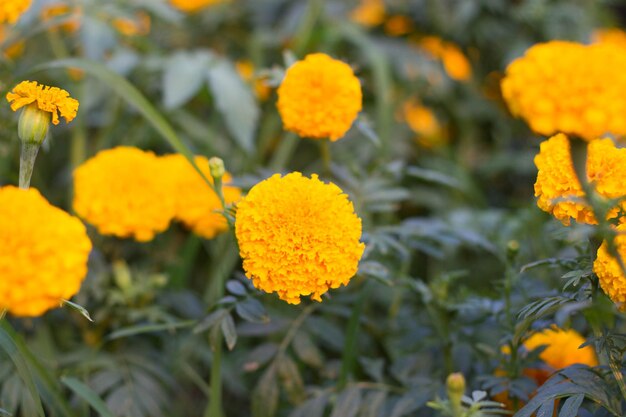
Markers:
point(298, 236)
point(11, 10)
point(455, 63)
point(52, 11)
point(124, 192)
point(320, 97)
point(423, 121)
point(137, 26)
point(398, 25)
point(43, 253)
point(610, 35)
point(197, 205)
point(245, 69)
point(557, 182)
point(569, 87)
point(191, 6)
point(12, 50)
point(369, 13)
point(609, 272)
point(48, 99)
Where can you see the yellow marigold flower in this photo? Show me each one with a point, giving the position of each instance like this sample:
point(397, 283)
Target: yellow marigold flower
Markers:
point(246, 72)
point(557, 181)
point(319, 98)
point(398, 25)
point(568, 87)
point(454, 61)
point(369, 13)
point(56, 10)
point(124, 192)
point(12, 50)
point(11, 10)
point(139, 25)
point(43, 253)
point(425, 124)
point(610, 35)
point(191, 6)
point(609, 272)
point(49, 99)
point(298, 236)
point(197, 205)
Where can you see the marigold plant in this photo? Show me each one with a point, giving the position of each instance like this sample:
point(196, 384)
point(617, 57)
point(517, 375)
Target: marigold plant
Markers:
point(320, 97)
point(43, 253)
point(197, 205)
point(49, 99)
point(298, 236)
point(568, 87)
point(11, 10)
point(557, 188)
point(609, 270)
point(124, 192)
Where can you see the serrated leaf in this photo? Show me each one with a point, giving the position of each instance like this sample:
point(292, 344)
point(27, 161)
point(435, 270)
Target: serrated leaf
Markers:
point(184, 76)
point(314, 407)
point(348, 403)
point(235, 102)
point(260, 355)
point(546, 410)
point(252, 310)
point(265, 395)
point(229, 331)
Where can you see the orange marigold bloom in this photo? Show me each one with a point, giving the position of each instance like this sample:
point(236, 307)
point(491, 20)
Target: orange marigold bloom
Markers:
point(245, 68)
point(454, 61)
point(197, 205)
point(557, 181)
point(319, 98)
point(55, 10)
point(298, 236)
point(43, 253)
point(569, 87)
point(11, 10)
point(369, 13)
point(610, 35)
point(139, 25)
point(423, 121)
point(609, 271)
point(191, 6)
point(398, 25)
point(49, 99)
point(124, 192)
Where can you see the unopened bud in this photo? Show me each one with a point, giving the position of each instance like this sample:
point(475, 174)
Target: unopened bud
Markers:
point(33, 125)
point(216, 167)
point(456, 388)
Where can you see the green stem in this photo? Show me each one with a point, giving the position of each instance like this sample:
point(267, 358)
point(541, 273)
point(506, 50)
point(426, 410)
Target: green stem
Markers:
point(307, 26)
point(326, 158)
point(352, 332)
point(285, 150)
point(3, 313)
point(215, 400)
point(295, 326)
point(28, 155)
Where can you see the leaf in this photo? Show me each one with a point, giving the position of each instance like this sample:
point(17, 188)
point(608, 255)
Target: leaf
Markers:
point(229, 331)
point(88, 395)
point(252, 310)
point(184, 76)
point(260, 355)
point(265, 395)
point(209, 321)
point(546, 410)
point(290, 378)
point(435, 177)
point(373, 403)
point(236, 288)
point(348, 403)
point(235, 102)
point(314, 407)
point(77, 307)
point(571, 405)
point(148, 328)
point(4, 413)
point(306, 350)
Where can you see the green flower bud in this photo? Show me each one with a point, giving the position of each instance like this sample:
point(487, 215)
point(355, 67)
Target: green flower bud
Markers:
point(216, 167)
point(33, 125)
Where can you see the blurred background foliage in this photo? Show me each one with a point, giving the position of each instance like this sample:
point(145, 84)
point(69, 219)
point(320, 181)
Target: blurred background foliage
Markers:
point(440, 173)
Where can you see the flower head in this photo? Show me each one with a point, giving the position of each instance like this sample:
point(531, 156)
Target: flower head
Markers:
point(557, 187)
point(423, 121)
point(11, 10)
point(609, 271)
point(454, 61)
point(191, 6)
point(245, 69)
point(197, 205)
point(610, 35)
point(369, 13)
point(124, 192)
point(56, 10)
point(43, 253)
point(319, 97)
point(568, 87)
point(298, 236)
point(48, 99)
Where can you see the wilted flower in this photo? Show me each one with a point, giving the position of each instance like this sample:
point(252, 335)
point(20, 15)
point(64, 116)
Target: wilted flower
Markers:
point(298, 236)
point(43, 253)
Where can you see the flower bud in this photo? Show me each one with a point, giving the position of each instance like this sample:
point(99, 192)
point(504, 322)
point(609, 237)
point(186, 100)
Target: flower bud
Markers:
point(216, 167)
point(33, 125)
point(455, 385)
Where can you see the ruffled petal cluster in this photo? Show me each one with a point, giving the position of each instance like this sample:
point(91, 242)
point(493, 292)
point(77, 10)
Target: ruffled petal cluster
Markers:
point(124, 192)
point(609, 272)
point(191, 6)
point(197, 205)
point(455, 63)
point(49, 99)
point(610, 35)
point(11, 10)
point(320, 97)
point(298, 236)
point(557, 188)
point(43, 253)
point(569, 87)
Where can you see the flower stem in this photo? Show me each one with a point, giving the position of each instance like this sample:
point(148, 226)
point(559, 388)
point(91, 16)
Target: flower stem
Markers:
point(326, 158)
point(28, 154)
point(350, 348)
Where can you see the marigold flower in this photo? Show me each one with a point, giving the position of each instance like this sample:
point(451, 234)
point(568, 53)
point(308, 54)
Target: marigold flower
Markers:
point(197, 205)
point(298, 236)
point(319, 97)
point(369, 13)
point(610, 35)
point(569, 87)
point(454, 61)
point(609, 271)
point(12, 50)
point(124, 192)
point(191, 6)
point(11, 10)
point(139, 25)
point(55, 10)
point(245, 69)
point(43, 253)
point(398, 25)
point(49, 99)
point(423, 121)
point(557, 181)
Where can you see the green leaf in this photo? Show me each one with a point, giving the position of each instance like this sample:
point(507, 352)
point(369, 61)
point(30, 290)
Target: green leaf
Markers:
point(235, 102)
point(546, 410)
point(88, 395)
point(229, 331)
point(148, 328)
point(571, 405)
point(184, 76)
point(291, 379)
point(348, 403)
point(252, 310)
point(236, 288)
point(77, 307)
point(4, 413)
point(266, 394)
point(307, 351)
point(209, 321)
point(314, 407)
